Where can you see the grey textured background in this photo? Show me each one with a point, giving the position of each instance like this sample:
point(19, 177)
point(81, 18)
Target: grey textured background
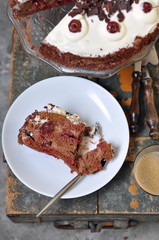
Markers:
point(45, 231)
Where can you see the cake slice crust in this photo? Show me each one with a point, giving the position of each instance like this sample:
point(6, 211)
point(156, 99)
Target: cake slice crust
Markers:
point(60, 134)
point(53, 134)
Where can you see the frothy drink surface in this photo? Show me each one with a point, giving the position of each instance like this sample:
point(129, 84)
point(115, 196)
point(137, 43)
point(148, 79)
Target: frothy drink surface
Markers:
point(147, 172)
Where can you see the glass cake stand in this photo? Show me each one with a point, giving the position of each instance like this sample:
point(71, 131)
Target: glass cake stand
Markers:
point(33, 29)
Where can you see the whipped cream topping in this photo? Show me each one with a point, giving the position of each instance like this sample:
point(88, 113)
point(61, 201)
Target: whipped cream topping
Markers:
point(58, 110)
point(94, 40)
point(88, 144)
point(151, 17)
point(74, 118)
point(22, 1)
point(38, 120)
point(55, 109)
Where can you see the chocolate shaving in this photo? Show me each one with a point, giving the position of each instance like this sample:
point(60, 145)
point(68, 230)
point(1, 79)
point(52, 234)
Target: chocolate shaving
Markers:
point(104, 9)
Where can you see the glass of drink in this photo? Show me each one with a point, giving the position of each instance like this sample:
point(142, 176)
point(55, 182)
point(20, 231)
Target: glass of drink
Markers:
point(146, 169)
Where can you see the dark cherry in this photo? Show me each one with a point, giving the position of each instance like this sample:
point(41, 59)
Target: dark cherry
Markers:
point(113, 27)
point(75, 26)
point(35, 3)
point(47, 127)
point(147, 7)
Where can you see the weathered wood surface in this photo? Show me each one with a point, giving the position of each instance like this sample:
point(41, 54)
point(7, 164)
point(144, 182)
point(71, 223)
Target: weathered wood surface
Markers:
point(121, 198)
point(25, 71)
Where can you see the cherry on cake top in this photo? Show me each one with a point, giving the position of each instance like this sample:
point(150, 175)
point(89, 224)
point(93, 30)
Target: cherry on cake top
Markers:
point(75, 26)
point(147, 7)
point(104, 9)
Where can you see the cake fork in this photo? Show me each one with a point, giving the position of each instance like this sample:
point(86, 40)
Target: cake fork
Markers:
point(60, 193)
point(66, 188)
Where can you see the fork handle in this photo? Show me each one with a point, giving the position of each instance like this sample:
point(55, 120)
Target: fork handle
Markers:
point(60, 194)
point(151, 113)
point(134, 106)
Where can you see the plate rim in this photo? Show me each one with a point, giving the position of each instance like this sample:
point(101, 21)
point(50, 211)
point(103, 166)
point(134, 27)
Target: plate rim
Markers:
point(50, 79)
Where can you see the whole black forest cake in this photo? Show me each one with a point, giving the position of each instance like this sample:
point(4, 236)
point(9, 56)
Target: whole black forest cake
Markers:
point(96, 34)
point(102, 34)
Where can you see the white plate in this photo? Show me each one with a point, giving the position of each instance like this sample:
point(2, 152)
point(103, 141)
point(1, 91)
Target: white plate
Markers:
point(46, 174)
